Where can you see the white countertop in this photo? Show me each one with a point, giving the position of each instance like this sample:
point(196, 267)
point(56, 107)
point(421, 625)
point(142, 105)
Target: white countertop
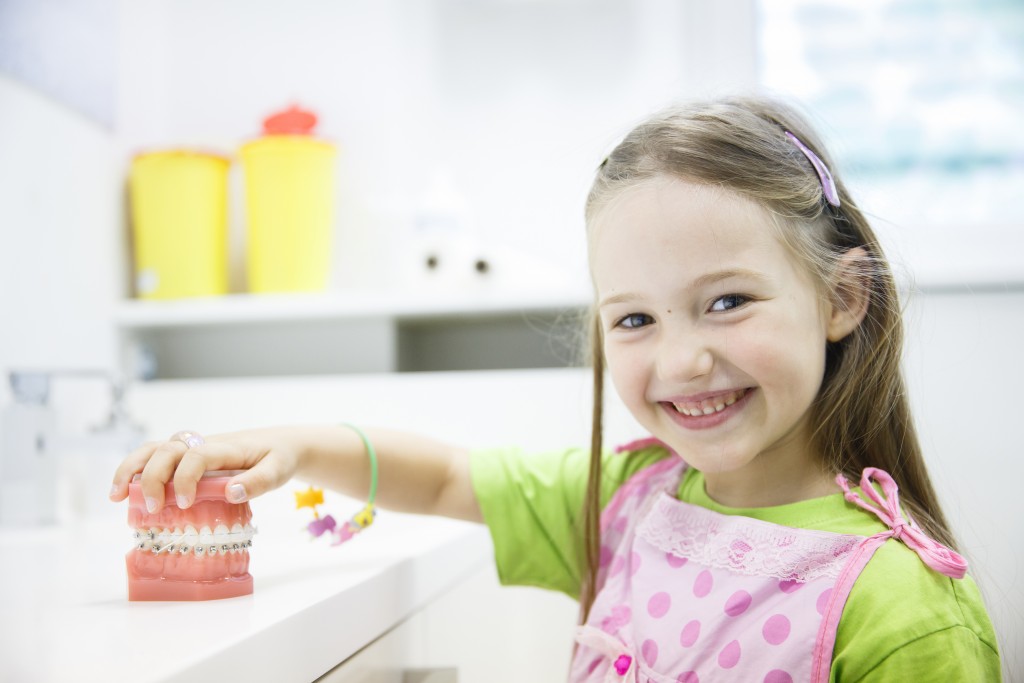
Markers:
point(65, 613)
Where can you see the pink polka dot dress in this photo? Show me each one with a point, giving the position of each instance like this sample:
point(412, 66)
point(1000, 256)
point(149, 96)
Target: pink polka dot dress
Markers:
point(688, 595)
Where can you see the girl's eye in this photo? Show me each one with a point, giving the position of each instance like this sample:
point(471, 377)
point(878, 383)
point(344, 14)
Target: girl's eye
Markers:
point(728, 302)
point(634, 320)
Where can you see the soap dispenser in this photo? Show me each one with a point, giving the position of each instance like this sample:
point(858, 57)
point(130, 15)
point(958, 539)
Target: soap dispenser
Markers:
point(28, 465)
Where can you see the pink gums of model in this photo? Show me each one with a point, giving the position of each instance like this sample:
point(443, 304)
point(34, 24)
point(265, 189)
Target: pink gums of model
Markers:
point(200, 553)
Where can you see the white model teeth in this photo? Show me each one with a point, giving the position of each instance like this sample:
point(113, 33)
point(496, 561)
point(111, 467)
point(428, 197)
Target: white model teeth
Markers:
point(710, 406)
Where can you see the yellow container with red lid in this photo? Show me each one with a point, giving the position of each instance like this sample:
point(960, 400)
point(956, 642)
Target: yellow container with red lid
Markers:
point(179, 220)
point(289, 199)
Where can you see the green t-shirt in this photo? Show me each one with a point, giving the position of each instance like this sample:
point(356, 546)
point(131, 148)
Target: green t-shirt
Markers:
point(902, 621)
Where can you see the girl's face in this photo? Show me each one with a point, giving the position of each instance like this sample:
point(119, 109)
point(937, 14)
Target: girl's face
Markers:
point(714, 338)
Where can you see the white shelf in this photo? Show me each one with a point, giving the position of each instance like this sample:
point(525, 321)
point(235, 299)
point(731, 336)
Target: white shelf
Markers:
point(340, 305)
point(349, 332)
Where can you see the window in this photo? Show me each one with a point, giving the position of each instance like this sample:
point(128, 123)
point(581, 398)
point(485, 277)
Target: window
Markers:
point(922, 102)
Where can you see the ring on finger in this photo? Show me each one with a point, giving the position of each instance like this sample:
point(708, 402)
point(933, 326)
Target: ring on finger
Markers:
point(190, 439)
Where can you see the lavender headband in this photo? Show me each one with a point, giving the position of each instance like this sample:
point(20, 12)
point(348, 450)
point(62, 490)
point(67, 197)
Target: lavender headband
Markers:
point(828, 185)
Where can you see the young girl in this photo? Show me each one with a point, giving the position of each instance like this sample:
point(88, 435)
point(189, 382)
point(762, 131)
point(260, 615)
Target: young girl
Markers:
point(748, 319)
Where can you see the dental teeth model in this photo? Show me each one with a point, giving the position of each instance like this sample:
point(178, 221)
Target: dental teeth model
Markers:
point(199, 553)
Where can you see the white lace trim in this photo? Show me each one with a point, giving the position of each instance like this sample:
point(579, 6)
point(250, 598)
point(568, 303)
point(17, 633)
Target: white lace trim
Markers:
point(744, 545)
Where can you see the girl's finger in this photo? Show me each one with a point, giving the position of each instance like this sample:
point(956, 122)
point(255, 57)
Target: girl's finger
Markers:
point(129, 467)
point(158, 472)
point(272, 471)
point(213, 455)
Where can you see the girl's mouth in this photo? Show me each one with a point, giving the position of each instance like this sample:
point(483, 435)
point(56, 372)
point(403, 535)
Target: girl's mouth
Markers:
point(709, 412)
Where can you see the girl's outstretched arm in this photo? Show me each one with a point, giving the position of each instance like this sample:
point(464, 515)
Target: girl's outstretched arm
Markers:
point(416, 474)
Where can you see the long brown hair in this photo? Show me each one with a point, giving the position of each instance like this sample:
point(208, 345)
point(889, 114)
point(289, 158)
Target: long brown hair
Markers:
point(861, 413)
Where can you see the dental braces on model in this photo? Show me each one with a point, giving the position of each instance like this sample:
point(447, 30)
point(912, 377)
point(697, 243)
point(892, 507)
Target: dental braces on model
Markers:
point(195, 553)
point(200, 543)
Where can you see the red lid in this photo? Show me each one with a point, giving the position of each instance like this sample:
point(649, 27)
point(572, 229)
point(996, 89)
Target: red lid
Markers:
point(291, 121)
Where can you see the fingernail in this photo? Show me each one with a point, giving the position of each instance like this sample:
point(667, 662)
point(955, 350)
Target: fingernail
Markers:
point(182, 500)
point(236, 493)
point(151, 504)
point(113, 491)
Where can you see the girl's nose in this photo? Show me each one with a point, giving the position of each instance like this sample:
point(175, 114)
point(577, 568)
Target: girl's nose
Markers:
point(683, 358)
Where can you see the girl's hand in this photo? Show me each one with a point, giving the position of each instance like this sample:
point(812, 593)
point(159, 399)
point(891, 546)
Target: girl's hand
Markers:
point(268, 463)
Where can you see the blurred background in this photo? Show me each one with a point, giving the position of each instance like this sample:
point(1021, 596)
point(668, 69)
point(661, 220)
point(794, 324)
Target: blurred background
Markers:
point(448, 235)
point(482, 119)
point(492, 113)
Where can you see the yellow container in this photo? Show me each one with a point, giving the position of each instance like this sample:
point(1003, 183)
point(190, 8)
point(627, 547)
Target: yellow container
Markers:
point(179, 224)
point(289, 198)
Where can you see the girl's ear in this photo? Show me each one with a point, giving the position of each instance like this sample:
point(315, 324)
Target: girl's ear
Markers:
point(851, 294)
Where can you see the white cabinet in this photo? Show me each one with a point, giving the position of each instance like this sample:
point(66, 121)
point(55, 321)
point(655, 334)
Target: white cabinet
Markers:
point(348, 332)
point(390, 659)
point(477, 632)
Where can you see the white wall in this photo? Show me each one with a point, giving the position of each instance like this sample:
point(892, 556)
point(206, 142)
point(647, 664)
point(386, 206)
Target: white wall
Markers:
point(60, 235)
point(963, 371)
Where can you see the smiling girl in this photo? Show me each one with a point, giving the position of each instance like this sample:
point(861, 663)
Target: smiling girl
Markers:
point(749, 321)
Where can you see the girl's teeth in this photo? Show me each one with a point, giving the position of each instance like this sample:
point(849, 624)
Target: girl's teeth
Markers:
point(706, 409)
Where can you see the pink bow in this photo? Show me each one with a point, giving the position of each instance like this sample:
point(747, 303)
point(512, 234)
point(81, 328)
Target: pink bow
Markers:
point(934, 554)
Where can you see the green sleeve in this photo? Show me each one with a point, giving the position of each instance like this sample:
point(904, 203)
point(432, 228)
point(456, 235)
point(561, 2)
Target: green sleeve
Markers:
point(532, 502)
point(953, 654)
point(905, 622)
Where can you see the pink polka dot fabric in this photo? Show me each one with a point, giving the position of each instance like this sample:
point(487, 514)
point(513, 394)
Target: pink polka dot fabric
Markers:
point(693, 596)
